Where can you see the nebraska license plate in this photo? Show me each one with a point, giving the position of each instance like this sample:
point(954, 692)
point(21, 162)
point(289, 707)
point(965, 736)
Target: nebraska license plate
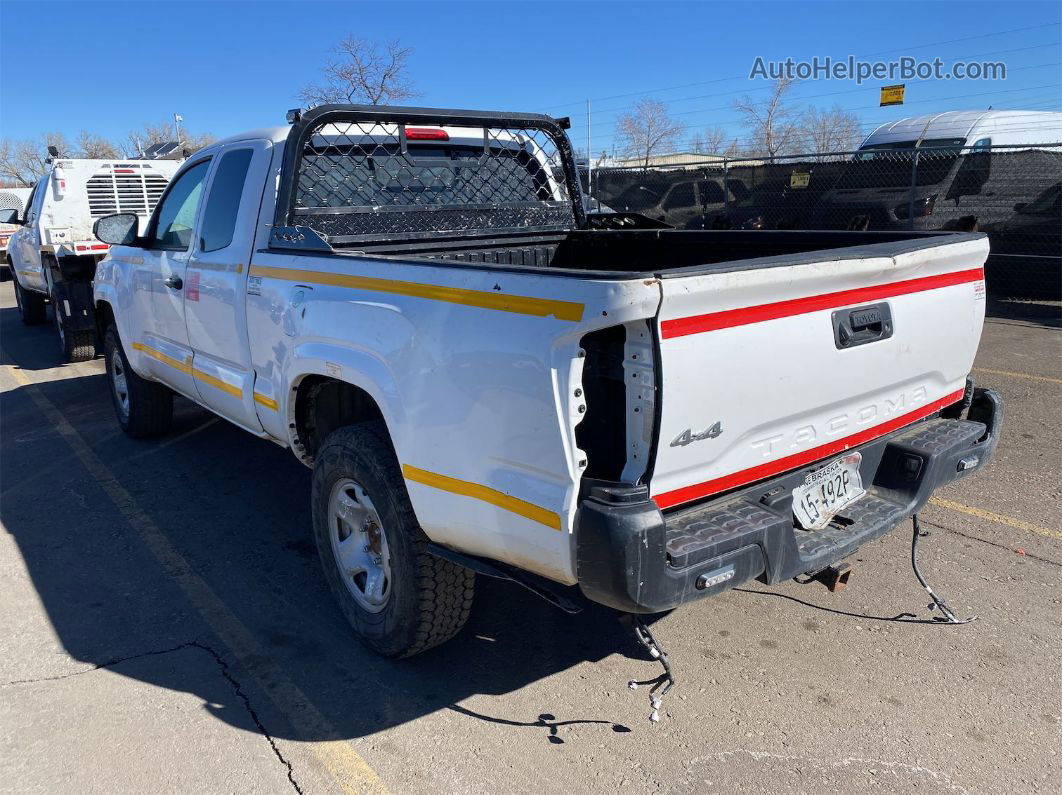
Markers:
point(827, 491)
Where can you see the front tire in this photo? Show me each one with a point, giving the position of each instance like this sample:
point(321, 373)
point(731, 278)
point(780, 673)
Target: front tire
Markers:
point(144, 408)
point(400, 599)
point(31, 307)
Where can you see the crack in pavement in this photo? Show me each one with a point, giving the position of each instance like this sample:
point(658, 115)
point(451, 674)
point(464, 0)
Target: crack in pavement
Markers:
point(225, 671)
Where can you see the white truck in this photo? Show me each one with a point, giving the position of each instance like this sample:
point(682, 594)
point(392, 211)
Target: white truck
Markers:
point(415, 303)
point(53, 253)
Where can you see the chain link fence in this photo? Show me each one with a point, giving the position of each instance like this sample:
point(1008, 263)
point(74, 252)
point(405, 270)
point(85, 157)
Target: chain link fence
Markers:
point(1013, 193)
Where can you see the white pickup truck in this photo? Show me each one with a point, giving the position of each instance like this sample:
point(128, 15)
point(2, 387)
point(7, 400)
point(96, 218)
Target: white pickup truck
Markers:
point(483, 379)
point(52, 251)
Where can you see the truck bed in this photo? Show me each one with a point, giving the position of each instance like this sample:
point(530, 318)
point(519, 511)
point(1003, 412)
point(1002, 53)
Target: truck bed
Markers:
point(658, 252)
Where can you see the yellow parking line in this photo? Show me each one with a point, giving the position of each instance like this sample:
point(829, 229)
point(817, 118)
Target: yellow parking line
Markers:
point(1012, 374)
point(351, 772)
point(1017, 524)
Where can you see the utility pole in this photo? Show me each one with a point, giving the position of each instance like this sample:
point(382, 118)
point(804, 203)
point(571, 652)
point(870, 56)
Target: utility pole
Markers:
point(177, 119)
point(589, 153)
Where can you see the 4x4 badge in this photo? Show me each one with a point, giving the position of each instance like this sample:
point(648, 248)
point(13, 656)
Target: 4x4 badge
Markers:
point(688, 436)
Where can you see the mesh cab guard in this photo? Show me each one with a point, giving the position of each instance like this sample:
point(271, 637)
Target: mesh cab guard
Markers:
point(364, 173)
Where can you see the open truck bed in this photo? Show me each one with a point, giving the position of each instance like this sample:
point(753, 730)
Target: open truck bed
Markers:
point(658, 252)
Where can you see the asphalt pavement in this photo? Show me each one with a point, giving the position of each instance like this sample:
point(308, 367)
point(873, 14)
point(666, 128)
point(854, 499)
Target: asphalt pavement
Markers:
point(165, 627)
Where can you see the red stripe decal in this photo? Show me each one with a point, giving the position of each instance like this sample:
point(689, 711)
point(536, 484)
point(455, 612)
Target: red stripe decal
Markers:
point(680, 327)
point(761, 471)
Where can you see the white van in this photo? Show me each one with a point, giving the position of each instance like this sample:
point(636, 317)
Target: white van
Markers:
point(978, 129)
point(971, 167)
point(53, 253)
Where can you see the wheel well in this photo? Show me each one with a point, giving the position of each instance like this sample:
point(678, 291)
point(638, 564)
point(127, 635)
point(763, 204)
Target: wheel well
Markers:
point(324, 404)
point(104, 317)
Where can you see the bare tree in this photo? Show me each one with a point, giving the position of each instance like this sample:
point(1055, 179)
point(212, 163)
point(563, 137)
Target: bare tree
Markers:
point(96, 147)
point(160, 132)
point(771, 125)
point(710, 141)
point(24, 161)
point(833, 130)
point(361, 71)
point(713, 141)
point(648, 130)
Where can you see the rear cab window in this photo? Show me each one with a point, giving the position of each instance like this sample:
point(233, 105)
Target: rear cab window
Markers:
point(223, 201)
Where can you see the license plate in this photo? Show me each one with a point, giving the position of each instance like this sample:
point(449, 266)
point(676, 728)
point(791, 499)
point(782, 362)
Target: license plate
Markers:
point(828, 491)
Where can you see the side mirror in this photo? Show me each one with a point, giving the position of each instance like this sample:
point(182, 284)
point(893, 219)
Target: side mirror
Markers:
point(119, 229)
point(9, 216)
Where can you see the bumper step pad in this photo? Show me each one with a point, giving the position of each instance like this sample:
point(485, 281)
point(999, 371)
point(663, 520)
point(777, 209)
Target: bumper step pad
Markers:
point(708, 531)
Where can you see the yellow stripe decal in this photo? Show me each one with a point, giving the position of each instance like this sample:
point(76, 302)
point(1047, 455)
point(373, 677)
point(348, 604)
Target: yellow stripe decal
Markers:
point(484, 493)
point(176, 364)
point(520, 304)
point(217, 383)
point(268, 402)
point(186, 367)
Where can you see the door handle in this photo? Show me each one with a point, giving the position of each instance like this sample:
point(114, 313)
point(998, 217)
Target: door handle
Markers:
point(173, 282)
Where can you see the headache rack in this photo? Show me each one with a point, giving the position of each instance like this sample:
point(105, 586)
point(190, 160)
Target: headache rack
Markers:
point(124, 188)
point(362, 173)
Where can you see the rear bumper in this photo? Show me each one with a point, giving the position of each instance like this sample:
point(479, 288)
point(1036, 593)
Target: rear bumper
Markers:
point(632, 557)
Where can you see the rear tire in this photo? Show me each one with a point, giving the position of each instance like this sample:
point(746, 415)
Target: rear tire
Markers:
point(31, 308)
point(143, 408)
point(74, 346)
point(358, 486)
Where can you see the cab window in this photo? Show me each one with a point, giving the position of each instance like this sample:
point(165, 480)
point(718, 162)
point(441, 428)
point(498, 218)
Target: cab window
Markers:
point(176, 213)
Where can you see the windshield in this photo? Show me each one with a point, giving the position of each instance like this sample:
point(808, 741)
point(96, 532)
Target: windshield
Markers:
point(890, 165)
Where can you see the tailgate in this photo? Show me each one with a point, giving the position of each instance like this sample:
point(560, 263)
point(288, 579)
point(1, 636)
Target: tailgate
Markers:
point(777, 364)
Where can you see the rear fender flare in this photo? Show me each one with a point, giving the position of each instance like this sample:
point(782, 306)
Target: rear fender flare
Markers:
point(357, 368)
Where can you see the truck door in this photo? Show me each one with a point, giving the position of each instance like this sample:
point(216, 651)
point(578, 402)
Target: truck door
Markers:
point(164, 338)
point(216, 282)
point(26, 246)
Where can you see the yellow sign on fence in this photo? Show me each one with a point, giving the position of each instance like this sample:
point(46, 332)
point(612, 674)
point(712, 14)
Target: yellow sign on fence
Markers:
point(799, 179)
point(892, 95)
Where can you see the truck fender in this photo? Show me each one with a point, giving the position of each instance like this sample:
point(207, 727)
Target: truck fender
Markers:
point(357, 368)
point(104, 292)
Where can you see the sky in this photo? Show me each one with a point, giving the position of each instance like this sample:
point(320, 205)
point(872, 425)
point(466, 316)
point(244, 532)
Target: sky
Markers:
point(232, 66)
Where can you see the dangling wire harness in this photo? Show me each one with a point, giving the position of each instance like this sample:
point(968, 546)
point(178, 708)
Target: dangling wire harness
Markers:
point(938, 602)
point(666, 680)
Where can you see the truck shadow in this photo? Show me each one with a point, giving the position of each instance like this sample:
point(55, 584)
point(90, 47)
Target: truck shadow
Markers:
point(235, 509)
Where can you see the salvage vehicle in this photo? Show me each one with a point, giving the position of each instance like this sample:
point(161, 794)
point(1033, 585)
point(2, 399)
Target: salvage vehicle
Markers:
point(52, 251)
point(10, 199)
point(411, 300)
